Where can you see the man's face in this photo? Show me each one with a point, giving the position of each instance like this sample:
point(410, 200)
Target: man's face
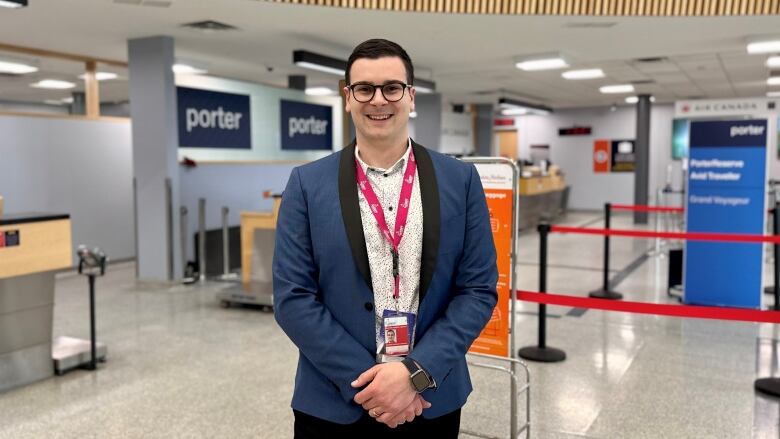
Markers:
point(378, 119)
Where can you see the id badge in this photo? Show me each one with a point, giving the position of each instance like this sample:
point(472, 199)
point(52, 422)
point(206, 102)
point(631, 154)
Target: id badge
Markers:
point(398, 332)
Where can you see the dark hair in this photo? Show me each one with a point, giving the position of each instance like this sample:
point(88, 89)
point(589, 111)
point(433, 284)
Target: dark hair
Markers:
point(380, 48)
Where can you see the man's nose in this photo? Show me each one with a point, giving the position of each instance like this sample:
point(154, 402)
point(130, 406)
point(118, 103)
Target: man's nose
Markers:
point(378, 98)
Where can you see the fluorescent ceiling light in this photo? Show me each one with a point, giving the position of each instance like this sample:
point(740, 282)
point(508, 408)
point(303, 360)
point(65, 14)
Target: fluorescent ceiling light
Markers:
point(53, 84)
point(514, 111)
point(635, 99)
point(424, 86)
point(15, 68)
point(53, 102)
point(773, 80)
point(773, 94)
point(319, 91)
point(322, 63)
point(622, 88)
point(13, 4)
point(764, 46)
point(186, 69)
point(583, 74)
point(68, 100)
point(541, 63)
point(514, 106)
point(100, 76)
point(773, 62)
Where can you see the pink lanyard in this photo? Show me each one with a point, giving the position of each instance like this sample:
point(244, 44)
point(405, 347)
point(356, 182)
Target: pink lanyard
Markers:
point(404, 202)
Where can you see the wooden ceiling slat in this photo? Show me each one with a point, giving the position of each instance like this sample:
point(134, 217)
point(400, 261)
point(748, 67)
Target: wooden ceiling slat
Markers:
point(637, 8)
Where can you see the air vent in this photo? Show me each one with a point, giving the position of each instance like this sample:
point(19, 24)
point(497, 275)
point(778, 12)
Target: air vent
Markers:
point(591, 25)
point(209, 26)
point(653, 59)
point(643, 81)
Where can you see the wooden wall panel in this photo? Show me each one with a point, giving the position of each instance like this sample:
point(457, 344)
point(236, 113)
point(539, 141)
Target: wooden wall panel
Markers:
point(562, 7)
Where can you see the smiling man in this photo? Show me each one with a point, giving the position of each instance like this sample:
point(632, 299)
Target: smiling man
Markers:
point(384, 269)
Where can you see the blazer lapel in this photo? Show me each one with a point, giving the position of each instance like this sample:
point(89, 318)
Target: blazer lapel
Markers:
point(350, 212)
point(429, 193)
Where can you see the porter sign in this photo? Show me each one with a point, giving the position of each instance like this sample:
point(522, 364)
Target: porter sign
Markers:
point(306, 126)
point(209, 119)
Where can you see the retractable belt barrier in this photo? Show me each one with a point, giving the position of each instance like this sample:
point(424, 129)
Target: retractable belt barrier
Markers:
point(543, 353)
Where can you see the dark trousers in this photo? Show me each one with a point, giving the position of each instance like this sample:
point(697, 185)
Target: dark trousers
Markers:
point(444, 427)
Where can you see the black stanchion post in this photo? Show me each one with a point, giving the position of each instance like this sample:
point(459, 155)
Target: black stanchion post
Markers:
point(771, 386)
point(773, 289)
point(92, 338)
point(541, 352)
point(605, 292)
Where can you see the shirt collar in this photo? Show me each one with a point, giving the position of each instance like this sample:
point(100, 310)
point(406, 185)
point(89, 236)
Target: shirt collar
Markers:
point(397, 165)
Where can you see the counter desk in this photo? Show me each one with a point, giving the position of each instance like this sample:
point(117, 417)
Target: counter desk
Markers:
point(32, 247)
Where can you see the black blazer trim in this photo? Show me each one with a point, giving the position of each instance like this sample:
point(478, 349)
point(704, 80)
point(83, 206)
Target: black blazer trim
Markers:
point(350, 211)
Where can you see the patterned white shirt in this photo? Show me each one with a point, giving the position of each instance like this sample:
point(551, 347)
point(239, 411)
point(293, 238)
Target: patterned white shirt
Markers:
point(387, 187)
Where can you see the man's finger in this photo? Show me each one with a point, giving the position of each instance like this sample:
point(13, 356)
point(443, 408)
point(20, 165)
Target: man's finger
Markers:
point(366, 377)
point(425, 404)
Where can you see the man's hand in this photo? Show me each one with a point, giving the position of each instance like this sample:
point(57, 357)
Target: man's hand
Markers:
point(389, 396)
point(408, 414)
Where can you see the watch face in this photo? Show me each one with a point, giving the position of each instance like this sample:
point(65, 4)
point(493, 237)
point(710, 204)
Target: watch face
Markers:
point(420, 381)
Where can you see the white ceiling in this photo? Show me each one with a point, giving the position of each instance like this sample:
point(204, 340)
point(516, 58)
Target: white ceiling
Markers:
point(469, 56)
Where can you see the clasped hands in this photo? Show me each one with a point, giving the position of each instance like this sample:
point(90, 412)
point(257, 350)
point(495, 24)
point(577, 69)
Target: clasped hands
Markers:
point(389, 396)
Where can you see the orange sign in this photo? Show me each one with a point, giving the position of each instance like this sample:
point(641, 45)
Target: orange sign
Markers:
point(601, 155)
point(497, 183)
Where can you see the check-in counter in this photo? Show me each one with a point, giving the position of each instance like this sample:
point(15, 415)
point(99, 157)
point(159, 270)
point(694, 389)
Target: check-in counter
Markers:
point(542, 198)
point(258, 230)
point(32, 247)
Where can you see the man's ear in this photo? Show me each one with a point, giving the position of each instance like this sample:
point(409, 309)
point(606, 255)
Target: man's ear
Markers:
point(412, 92)
point(346, 99)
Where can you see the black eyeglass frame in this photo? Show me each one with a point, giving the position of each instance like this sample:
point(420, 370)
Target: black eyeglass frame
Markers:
point(381, 88)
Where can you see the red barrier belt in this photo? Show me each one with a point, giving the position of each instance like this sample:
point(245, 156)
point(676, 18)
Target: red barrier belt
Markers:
point(697, 312)
point(639, 208)
point(690, 236)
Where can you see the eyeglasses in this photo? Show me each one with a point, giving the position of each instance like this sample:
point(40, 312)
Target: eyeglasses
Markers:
point(392, 92)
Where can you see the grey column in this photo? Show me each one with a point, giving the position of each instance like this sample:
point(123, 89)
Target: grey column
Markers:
point(642, 157)
point(428, 122)
point(155, 143)
point(483, 136)
point(79, 105)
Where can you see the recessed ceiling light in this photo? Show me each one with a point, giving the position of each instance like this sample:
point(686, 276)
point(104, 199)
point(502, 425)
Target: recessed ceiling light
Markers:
point(622, 88)
point(100, 76)
point(319, 91)
point(13, 4)
point(541, 62)
point(320, 68)
point(773, 62)
point(773, 80)
point(583, 74)
point(764, 46)
point(322, 63)
point(16, 68)
point(53, 84)
point(53, 102)
point(773, 94)
point(186, 69)
point(68, 100)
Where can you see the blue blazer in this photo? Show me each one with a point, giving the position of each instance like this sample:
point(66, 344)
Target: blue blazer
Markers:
point(323, 296)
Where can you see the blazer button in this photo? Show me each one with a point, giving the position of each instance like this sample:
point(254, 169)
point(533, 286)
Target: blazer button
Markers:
point(369, 306)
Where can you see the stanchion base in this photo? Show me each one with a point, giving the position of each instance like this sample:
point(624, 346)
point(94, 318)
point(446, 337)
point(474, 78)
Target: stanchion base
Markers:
point(769, 290)
point(543, 355)
point(770, 386)
point(605, 294)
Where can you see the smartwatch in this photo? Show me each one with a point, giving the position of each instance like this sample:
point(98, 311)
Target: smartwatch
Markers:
point(420, 379)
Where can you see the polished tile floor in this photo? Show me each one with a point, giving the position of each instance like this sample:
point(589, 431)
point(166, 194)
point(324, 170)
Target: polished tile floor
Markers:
point(181, 366)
